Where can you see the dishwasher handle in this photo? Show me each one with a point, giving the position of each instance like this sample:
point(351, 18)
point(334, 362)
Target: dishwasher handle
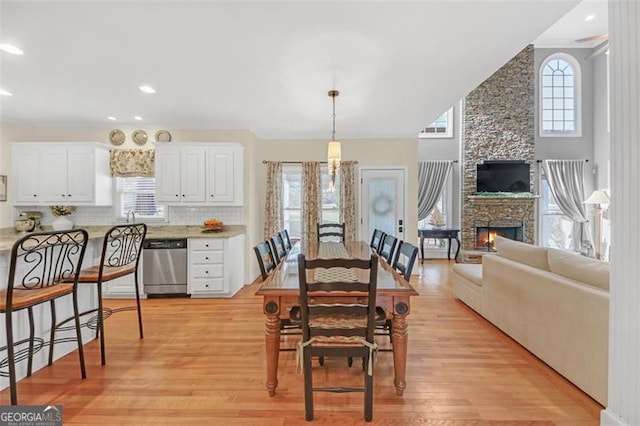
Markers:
point(165, 244)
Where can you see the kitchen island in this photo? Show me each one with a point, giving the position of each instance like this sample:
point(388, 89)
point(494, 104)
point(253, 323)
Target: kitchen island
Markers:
point(216, 270)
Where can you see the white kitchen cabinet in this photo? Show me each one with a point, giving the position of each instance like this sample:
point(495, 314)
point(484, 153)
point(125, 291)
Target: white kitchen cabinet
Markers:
point(200, 174)
point(215, 266)
point(181, 175)
point(225, 175)
point(61, 173)
point(25, 174)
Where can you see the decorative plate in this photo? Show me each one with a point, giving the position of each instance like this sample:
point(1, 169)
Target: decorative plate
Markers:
point(117, 137)
point(163, 136)
point(139, 137)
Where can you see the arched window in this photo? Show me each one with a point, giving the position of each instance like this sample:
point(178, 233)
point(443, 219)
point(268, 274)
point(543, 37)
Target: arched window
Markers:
point(560, 96)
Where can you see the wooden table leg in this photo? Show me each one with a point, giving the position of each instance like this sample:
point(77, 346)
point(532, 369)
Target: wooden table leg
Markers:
point(272, 345)
point(400, 338)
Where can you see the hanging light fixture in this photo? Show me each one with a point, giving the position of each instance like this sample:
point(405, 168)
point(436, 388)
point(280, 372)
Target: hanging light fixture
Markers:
point(333, 150)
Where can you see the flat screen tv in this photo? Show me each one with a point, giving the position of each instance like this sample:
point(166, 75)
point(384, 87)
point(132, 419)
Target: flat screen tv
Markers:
point(503, 176)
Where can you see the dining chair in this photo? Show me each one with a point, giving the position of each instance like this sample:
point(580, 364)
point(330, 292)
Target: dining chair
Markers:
point(337, 329)
point(277, 246)
point(376, 240)
point(266, 261)
point(44, 266)
point(331, 231)
point(387, 248)
point(121, 250)
point(284, 235)
point(404, 259)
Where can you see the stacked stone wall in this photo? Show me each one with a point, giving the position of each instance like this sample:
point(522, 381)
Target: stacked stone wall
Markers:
point(499, 125)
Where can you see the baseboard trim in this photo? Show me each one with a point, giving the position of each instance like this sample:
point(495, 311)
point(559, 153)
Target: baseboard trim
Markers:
point(609, 418)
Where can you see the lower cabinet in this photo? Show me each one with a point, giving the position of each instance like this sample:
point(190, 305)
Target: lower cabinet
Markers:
point(216, 266)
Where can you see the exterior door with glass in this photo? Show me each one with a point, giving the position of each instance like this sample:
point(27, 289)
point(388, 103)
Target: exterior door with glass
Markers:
point(382, 201)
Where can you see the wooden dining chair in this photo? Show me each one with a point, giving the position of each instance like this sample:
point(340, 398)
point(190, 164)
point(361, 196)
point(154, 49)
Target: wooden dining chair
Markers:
point(284, 235)
point(337, 329)
point(121, 251)
point(404, 259)
point(331, 232)
point(44, 266)
point(376, 240)
point(266, 261)
point(277, 247)
point(387, 248)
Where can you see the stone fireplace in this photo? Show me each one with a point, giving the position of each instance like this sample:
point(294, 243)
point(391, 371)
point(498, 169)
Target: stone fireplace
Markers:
point(499, 125)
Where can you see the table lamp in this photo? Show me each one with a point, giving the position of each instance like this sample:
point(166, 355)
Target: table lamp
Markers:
point(597, 198)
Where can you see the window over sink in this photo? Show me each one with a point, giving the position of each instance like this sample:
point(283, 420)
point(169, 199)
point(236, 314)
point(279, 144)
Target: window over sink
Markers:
point(138, 194)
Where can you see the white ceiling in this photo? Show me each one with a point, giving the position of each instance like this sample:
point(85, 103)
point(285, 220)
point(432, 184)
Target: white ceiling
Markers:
point(264, 66)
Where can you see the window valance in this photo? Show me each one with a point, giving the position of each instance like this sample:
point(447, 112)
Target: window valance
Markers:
point(132, 162)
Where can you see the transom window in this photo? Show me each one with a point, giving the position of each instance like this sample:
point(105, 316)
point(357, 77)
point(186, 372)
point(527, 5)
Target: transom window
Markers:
point(559, 95)
point(442, 127)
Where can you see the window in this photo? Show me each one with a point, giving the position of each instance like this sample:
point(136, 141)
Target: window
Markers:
point(138, 194)
point(292, 199)
point(444, 206)
point(441, 128)
point(559, 96)
point(555, 227)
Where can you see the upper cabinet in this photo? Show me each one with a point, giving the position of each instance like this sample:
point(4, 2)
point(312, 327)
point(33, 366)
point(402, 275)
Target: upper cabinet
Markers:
point(181, 175)
point(200, 174)
point(74, 173)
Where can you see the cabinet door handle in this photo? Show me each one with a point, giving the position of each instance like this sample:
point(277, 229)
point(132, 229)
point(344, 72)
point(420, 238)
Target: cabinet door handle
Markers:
point(206, 285)
point(68, 195)
point(206, 245)
point(206, 272)
point(35, 195)
point(211, 195)
point(177, 195)
point(206, 258)
point(63, 195)
point(183, 195)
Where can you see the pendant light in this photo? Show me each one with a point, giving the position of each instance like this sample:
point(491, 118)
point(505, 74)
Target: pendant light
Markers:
point(333, 150)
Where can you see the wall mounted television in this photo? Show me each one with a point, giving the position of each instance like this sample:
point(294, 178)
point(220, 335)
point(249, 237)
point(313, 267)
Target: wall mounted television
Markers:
point(503, 176)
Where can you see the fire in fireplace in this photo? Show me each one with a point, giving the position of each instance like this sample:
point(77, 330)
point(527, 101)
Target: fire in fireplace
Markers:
point(487, 233)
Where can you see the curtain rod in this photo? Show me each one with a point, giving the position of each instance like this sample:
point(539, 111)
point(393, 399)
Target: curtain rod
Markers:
point(586, 160)
point(300, 162)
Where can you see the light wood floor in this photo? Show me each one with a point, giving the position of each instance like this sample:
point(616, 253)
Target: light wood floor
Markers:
point(202, 362)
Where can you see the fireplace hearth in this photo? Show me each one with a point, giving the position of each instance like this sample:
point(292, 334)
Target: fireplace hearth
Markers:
point(487, 232)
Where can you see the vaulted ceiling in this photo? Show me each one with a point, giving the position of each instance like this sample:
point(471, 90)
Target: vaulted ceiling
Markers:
point(264, 66)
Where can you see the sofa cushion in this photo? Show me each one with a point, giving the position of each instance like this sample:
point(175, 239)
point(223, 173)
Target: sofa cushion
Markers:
point(528, 254)
point(472, 272)
point(579, 268)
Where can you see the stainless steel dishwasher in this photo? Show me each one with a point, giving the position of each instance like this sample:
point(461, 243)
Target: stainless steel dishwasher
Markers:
point(164, 267)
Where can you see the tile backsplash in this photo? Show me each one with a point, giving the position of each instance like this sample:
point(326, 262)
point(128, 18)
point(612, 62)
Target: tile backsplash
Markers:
point(178, 215)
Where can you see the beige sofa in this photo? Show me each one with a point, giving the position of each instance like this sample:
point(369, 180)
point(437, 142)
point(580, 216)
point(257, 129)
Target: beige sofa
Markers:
point(552, 302)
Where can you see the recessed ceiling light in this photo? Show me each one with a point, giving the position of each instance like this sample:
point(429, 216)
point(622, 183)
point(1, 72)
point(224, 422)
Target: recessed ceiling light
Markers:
point(11, 49)
point(147, 89)
point(5, 93)
point(111, 117)
point(137, 117)
point(589, 17)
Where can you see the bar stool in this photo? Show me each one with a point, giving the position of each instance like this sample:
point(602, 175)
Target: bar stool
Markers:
point(44, 266)
point(120, 257)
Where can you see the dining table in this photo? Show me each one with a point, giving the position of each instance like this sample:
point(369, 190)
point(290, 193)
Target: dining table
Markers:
point(281, 291)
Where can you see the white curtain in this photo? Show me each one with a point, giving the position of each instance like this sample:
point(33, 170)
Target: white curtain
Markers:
point(566, 182)
point(312, 196)
point(432, 176)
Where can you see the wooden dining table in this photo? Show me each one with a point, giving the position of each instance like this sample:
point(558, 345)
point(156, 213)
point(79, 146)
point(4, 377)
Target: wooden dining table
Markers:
point(281, 291)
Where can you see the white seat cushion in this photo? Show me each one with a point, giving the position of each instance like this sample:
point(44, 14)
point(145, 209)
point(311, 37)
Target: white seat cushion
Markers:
point(471, 271)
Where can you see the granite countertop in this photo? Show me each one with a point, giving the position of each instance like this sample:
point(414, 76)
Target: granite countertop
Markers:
point(8, 236)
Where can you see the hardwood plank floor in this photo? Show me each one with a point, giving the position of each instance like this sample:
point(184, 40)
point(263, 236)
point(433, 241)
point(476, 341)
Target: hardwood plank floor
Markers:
point(202, 361)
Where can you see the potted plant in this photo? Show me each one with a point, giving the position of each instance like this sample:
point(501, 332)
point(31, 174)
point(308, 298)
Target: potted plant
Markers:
point(61, 213)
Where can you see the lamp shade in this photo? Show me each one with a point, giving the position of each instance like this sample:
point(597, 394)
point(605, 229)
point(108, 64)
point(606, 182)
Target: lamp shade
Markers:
point(334, 151)
point(598, 197)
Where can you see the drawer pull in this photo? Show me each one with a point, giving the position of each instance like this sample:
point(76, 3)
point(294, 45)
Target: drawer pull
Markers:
point(206, 258)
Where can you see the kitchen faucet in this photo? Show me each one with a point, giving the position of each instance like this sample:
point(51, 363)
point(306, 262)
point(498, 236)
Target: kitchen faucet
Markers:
point(133, 216)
